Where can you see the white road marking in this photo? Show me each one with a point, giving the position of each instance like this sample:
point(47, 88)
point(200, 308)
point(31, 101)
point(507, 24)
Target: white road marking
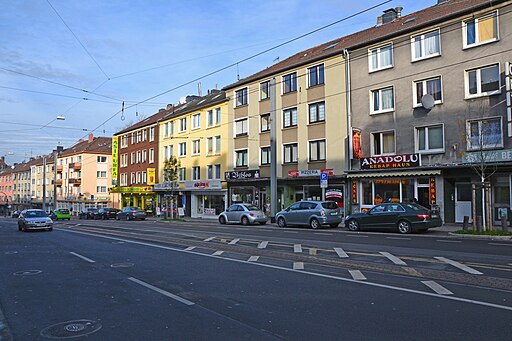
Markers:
point(438, 288)
point(323, 234)
point(357, 275)
point(459, 265)
point(262, 245)
point(298, 266)
point(340, 252)
point(449, 241)
point(357, 236)
point(336, 278)
point(398, 238)
point(253, 258)
point(297, 248)
point(290, 232)
point(83, 257)
point(234, 241)
point(392, 258)
point(500, 244)
point(161, 291)
point(217, 253)
point(190, 248)
point(209, 239)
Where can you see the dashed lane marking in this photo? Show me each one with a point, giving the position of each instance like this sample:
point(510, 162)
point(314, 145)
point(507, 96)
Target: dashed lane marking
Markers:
point(398, 238)
point(339, 251)
point(262, 245)
point(209, 239)
point(217, 253)
point(412, 271)
point(392, 258)
point(356, 236)
point(190, 248)
point(459, 265)
point(82, 257)
point(438, 288)
point(500, 244)
point(253, 258)
point(161, 291)
point(449, 241)
point(357, 275)
point(297, 248)
point(298, 266)
point(234, 241)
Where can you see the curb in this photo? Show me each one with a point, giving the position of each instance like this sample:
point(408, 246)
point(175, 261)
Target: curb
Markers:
point(481, 236)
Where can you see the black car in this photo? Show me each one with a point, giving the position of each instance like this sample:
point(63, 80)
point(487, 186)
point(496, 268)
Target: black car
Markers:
point(404, 217)
point(88, 213)
point(106, 213)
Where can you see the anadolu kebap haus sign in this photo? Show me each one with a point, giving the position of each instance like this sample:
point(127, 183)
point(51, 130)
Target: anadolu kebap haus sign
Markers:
point(391, 161)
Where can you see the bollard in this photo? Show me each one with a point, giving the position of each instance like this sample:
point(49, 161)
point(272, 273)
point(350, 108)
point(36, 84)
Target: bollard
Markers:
point(479, 223)
point(465, 223)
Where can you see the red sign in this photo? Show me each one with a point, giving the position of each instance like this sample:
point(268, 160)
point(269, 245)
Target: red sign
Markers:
point(354, 192)
point(391, 161)
point(432, 191)
point(310, 172)
point(356, 143)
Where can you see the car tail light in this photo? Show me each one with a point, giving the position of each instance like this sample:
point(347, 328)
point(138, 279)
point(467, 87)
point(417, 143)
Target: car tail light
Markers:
point(322, 212)
point(251, 214)
point(424, 216)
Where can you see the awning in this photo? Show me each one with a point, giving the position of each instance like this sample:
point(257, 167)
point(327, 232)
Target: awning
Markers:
point(395, 174)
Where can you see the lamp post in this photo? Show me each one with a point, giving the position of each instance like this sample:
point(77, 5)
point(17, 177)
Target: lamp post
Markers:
point(55, 152)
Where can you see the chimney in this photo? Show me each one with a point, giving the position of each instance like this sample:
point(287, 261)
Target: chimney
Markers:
point(389, 15)
point(169, 106)
point(161, 110)
point(80, 140)
point(90, 138)
point(441, 1)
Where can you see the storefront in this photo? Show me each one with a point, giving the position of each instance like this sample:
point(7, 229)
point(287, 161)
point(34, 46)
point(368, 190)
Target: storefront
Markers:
point(207, 198)
point(143, 197)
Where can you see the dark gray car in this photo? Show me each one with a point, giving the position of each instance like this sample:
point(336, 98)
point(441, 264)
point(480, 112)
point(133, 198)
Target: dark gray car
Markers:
point(310, 213)
point(131, 213)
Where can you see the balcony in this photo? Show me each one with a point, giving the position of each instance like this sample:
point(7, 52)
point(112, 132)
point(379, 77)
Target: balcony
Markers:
point(59, 168)
point(75, 165)
point(57, 182)
point(75, 182)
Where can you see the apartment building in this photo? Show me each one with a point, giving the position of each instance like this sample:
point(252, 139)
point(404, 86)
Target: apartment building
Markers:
point(428, 115)
point(196, 134)
point(6, 186)
point(311, 126)
point(21, 184)
point(41, 182)
point(84, 174)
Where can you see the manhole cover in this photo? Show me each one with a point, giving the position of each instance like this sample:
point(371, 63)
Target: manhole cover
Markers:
point(11, 252)
point(27, 272)
point(70, 329)
point(122, 265)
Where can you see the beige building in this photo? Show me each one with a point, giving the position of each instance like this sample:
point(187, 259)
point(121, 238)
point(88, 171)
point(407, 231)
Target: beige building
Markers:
point(41, 182)
point(21, 193)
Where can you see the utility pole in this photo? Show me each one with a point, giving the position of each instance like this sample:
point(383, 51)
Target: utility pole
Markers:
point(44, 183)
point(56, 153)
point(273, 152)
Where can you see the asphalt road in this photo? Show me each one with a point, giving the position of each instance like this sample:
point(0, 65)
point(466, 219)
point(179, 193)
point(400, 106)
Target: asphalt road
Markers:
point(109, 280)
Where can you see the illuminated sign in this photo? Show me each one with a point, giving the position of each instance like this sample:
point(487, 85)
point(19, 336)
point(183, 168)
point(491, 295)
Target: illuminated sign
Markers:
point(432, 186)
point(151, 176)
point(115, 156)
point(354, 192)
point(391, 161)
point(356, 143)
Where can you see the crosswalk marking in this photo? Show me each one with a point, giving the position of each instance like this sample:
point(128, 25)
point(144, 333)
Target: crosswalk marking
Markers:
point(298, 266)
point(357, 275)
point(339, 251)
point(438, 288)
point(459, 265)
point(262, 245)
point(392, 258)
point(190, 248)
point(217, 253)
point(234, 241)
point(253, 258)
point(297, 248)
point(209, 239)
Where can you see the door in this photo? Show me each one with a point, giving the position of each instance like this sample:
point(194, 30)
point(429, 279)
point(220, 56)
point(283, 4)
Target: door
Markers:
point(462, 202)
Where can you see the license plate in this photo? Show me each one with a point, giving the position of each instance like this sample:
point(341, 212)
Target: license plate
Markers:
point(434, 216)
point(334, 213)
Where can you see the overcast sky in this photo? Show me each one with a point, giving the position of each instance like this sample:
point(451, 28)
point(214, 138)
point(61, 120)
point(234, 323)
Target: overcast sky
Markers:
point(82, 59)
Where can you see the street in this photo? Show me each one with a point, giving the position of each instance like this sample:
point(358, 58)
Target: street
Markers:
point(147, 280)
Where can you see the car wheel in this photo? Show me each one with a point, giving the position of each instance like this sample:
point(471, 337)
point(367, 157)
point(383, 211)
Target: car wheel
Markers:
point(404, 227)
point(281, 222)
point(245, 221)
point(263, 222)
point(314, 223)
point(353, 225)
point(222, 220)
point(333, 225)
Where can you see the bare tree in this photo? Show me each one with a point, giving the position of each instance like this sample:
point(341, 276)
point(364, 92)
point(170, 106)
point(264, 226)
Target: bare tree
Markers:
point(170, 172)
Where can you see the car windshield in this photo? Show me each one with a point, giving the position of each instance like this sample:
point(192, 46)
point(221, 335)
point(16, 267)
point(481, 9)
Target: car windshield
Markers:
point(330, 205)
point(251, 207)
point(63, 211)
point(415, 207)
point(35, 214)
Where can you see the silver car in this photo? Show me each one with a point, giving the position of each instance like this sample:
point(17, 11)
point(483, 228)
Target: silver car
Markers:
point(310, 213)
point(131, 213)
point(34, 220)
point(243, 213)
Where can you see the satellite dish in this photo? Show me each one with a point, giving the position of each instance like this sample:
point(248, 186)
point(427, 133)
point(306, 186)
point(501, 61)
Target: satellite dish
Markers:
point(428, 101)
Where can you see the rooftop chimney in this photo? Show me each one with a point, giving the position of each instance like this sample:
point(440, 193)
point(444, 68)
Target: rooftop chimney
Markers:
point(389, 15)
point(169, 106)
point(90, 137)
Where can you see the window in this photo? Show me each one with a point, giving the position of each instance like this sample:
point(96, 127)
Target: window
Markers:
point(196, 121)
point(484, 134)
point(183, 124)
point(139, 136)
point(124, 179)
point(265, 156)
point(209, 172)
point(152, 134)
point(133, 138)
point(132, 160)
point(183, 149)
point(168, 151)
point(101, 174)
point(124, 141)
point(290, 83)
point(241, 158)
point(265, 122)
point(480, 30)
point(138, 156)
point(241, 97)
point(241, 127)
point(132, 178)
point(431, 87)
point(144, 155)
point(217, 116)
point(151, 155)
point(265, 90)
point(209, 118)
point(166, 129)
point(316, 75)
point(426, 45)
point(182, 174)
point(196, 147)
point(317, 112)
point(217, 171)
point(209, 146)
point(102, 159)
point(290, 153)
point(138, 177)
point(381, 57)
point(290, 117)
point(484, 81)
point(124, 160)
point(217, 144)
point(101, 189)
point(430, 139)
point(383, 100)
point(145, 135)
point(196, 173)
point(317, 150)
point(144, 177)
point(171, 127)
point(383, 143)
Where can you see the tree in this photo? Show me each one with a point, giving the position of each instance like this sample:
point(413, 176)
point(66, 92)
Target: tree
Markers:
point(170, 172)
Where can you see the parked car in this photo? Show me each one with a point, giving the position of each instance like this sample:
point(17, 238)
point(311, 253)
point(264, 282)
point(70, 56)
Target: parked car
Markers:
point(61, 213)
point(34, 220)
point(15, 214)
point(88, 213)
point(131, 213)
point(310, 213)
point(106, 213)
point(243, 213)
point(404, 217)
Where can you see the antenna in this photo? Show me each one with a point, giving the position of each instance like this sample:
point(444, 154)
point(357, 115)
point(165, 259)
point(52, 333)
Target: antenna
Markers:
point(428, 101)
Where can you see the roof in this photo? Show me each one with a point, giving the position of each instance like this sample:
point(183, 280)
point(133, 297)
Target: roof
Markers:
point(411, 22)
point(99, 145)
point(213, 98)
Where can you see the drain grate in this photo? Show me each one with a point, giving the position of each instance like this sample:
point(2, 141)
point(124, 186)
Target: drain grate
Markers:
point(71, 329)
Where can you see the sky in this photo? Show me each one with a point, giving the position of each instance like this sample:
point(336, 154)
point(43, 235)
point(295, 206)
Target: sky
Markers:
point(80, 60)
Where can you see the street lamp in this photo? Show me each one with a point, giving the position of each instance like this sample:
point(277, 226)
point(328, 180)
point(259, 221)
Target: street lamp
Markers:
point(55, 152)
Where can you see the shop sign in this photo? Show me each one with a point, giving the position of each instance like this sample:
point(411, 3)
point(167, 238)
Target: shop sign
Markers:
point(151, 176)
point(166, 186)
point(334, 193)
point(196, 185)
point(508, 87)
point(241, 175)
point(115, 156)
point(432, 186)
point(209, 211)
point(488, 156)
point(391, 161)
point(145, 189)
point(356, 143)
point(310, 172)
point(354, 192)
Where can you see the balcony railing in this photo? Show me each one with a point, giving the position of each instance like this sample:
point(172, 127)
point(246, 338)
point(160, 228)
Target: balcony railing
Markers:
point(75, 181)
point(75, 165)
point(57, 182)
point(59, 168)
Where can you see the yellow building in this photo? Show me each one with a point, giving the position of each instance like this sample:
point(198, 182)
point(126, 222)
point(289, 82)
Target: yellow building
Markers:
point(196, 133)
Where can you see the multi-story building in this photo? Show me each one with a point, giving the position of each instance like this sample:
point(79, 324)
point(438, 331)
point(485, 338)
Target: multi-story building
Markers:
point(429, 111)
point(21, 193)
point(84, 174)
point(41, 186)
point(196, 134)
point(311, 125)
point(6, 186)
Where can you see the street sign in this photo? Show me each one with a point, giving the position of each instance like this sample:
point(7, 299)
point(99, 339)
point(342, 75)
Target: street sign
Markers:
point(324, 179)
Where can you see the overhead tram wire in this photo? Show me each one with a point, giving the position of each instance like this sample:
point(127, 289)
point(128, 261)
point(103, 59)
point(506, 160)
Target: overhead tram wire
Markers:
point(251, 57)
